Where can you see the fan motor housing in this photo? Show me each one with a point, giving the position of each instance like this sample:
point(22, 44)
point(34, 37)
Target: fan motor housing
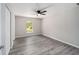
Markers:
point(38, 11)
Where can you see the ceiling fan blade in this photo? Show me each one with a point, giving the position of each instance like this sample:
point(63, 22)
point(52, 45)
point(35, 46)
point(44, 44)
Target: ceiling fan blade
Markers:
point(46, 7)
point(43, 11)
point(43, 14)
point(77, 3)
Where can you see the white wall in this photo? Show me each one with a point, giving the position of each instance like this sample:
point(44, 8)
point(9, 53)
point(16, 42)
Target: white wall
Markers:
point(3, 27)
point(62, 23)
point(21, 24)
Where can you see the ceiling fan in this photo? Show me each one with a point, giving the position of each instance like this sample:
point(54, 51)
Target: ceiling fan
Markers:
point(40, 11)
point(77, 3)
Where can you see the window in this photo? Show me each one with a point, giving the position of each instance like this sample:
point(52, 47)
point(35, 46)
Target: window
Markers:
point(29, 26)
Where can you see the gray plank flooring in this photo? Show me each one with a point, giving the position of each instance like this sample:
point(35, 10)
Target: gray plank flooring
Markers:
point(41, 45)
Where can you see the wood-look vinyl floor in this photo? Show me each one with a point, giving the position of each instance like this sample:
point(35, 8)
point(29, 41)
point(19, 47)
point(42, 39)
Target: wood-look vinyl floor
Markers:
point(41, 45)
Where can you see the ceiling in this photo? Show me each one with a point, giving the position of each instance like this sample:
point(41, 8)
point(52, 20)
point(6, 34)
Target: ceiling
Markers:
point(28, 9)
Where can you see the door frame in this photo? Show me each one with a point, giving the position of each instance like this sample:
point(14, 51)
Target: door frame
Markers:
point(6, 8)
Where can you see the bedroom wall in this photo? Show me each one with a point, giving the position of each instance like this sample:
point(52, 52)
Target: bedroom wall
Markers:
point(62, 23)
point(20, 23)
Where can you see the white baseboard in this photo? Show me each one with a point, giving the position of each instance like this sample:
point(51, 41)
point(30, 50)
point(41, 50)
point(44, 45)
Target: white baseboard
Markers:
point(27, 35)
point(60, 40)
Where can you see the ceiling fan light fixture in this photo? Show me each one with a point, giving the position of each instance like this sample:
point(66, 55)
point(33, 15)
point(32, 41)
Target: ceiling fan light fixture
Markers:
point(38, 14)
